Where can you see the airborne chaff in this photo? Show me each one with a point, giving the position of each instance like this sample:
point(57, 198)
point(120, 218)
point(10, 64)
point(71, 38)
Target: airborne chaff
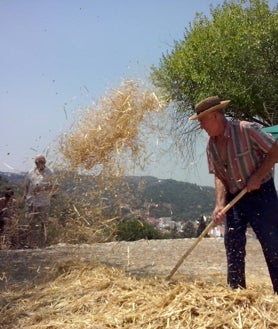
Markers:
point(111, 131)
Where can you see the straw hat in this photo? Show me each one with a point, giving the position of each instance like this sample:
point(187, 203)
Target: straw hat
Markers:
point(208, 105)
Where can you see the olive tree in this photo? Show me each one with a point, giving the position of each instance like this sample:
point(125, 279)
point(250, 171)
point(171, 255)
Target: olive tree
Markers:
point(233, 54)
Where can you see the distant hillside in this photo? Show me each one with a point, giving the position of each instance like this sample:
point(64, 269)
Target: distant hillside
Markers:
point(161, 197)
point(14, 181)
point(168, 197)
point(12, 177)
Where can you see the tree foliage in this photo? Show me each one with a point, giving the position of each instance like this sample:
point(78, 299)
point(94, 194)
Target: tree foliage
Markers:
point(136, 229)
point(189, 230)
point(180, 200)
point(232, 54)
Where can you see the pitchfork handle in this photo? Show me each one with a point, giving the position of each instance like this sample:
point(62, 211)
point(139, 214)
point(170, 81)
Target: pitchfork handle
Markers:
point(205, 232)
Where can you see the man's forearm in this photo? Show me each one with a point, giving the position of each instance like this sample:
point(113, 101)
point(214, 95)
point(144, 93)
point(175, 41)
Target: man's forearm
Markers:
point(220, 193)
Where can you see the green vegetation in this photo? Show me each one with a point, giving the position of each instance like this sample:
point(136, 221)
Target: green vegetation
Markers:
point(136, 229)
point(80, 213)
point(180, 200)
point(189, 230)
point(232, 54)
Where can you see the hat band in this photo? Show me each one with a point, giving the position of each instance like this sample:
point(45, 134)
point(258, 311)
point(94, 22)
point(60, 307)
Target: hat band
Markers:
point(205, 108)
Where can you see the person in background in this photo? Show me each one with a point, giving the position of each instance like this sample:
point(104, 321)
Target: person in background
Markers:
point(241, 155)
point(202, 225)
point(7, 209)
point(40, 185)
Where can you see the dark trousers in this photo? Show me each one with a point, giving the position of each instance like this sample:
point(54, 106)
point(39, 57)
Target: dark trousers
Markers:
point(2, 224)
point(260, 209)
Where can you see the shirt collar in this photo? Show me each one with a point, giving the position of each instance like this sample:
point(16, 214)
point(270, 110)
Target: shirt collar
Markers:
point(227, 131)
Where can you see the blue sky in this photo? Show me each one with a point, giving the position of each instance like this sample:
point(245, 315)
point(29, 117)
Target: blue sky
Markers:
point(61, 55)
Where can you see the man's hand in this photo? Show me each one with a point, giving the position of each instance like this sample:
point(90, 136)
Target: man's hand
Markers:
point(218, 216)
point(254, 183)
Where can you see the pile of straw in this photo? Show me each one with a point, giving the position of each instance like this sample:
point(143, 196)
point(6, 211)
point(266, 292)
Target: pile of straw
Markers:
point(109, 133)
point(85, 296)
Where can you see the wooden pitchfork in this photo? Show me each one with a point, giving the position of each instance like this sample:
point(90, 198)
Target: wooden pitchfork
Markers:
point(205, 232)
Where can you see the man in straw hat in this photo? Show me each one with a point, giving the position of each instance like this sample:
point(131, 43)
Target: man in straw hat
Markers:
point(241, 156)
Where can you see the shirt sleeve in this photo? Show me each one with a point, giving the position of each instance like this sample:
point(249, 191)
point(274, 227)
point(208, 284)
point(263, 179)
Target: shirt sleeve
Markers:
point(260, 139)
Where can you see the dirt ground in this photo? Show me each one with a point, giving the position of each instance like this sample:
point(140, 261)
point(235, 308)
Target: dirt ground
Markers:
point(146, 258)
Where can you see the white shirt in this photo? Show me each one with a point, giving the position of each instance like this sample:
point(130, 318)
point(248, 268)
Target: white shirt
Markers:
point(40, 185)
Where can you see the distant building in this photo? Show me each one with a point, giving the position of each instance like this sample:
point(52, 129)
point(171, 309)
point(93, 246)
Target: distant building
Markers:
point(217, 232)
point(166, 222)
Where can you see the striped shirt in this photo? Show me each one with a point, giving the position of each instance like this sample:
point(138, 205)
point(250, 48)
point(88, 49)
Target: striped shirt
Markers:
point(246, 149)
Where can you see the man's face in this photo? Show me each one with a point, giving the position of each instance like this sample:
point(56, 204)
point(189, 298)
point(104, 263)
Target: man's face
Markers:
point(211, 124)
point(40, 164)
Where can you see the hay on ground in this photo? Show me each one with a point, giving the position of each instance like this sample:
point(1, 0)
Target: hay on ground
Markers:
point(85, 296)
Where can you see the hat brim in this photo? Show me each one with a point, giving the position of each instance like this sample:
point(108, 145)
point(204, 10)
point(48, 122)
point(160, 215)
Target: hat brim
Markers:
point(217, 107)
